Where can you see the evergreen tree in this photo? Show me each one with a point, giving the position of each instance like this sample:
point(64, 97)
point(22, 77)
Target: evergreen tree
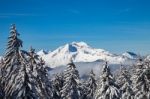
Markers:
point(108, 89)
point(70, 88)
point(141, 80)
point(125, 84)
point(57, 85)
point(23, 74)
point(45, 81)
point(12, 62)
point(25, 83)
point(83, 90)
point(12, 55)
point(122, 76)
point(44, 88)
point(91, 85)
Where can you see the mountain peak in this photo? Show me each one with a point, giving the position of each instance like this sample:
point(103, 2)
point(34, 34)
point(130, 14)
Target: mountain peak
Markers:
point(80, 44)
point(69, 48)
point(79, 52)
point(73, 47)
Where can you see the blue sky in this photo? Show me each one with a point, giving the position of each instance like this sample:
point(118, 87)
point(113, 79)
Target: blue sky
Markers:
point(114, 25)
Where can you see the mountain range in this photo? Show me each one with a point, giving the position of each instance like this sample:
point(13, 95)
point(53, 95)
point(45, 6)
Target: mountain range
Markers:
point(85, 58)
point(82, 52)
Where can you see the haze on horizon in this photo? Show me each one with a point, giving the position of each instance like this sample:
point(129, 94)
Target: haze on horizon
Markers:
point(113, 25)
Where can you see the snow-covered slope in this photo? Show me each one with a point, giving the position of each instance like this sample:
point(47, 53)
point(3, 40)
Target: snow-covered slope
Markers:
point(79, 52)
point(42, 52)
point(130, 55)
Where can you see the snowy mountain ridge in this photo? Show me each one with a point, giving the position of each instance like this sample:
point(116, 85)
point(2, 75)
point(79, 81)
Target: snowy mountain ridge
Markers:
point(80, 52)
point(130, 55)
point(42, 52)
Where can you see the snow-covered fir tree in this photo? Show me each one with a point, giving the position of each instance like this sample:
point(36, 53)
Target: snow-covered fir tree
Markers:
point(108, 89)
point(83, 89)
point(141, 80)
point(23, 74)
point(12, 56)
point(25, 83)
point(57, 85)
point(44, 88)
point(45, 81)
point(122, 76)
point(12, 62)
point(91, 86)
point(70, 88)
point(125, 84)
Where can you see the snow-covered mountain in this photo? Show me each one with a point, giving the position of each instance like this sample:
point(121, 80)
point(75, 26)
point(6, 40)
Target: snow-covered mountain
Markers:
point(130, 55)
point(42, 52)
point(79, 52)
